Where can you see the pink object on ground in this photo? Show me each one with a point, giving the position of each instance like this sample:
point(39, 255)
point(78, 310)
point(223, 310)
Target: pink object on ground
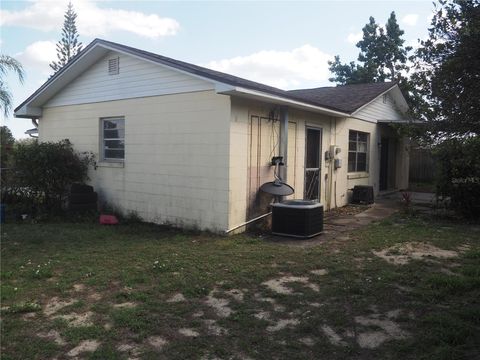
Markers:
point(108, 220)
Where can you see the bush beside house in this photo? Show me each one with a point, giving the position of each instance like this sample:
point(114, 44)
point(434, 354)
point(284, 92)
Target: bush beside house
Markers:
point(458, 174)
point(41, 174)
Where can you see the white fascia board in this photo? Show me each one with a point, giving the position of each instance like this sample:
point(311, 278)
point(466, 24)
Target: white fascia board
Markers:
point(233, 90)
point(403, 121)
point(28, 112)
point(49, 89)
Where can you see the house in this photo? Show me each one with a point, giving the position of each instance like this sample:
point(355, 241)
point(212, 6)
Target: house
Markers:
point(185, 145)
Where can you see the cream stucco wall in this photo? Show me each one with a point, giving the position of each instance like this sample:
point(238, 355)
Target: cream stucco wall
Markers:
point(177, 155)
point(336, 184)
point(241, 149)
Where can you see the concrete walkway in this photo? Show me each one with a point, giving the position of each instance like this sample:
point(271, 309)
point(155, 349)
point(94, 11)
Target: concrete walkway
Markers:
point(337, 226)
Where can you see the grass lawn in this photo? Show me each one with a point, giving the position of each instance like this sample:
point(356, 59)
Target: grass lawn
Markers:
point(402, 288)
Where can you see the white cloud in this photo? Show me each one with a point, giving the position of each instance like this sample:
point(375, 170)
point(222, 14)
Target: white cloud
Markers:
point(37, 56)
point(353, 38)
point(410, 19)
point(91, 19)
point(300, 67)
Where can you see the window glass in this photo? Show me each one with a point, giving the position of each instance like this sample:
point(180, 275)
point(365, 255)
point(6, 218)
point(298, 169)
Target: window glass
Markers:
point(113, 138)
point(357, 151)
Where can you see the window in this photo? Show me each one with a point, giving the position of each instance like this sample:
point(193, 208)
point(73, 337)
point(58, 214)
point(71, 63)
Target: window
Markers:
point(113, 138)
point(357, 151)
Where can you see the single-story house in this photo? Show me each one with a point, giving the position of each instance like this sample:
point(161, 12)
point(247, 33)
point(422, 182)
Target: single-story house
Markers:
point(185, 145)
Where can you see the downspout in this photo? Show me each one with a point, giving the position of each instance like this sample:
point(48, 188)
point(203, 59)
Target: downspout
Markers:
point(35, 123)
point(284, 141)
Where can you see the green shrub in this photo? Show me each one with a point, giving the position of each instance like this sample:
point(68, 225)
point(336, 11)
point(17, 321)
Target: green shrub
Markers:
point(458, 175)
point(44, 172)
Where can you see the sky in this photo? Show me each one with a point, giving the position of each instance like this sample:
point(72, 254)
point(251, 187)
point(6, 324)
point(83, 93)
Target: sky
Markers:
point(286, 44)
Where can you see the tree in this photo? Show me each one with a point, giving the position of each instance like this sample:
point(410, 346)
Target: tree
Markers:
point(447, 71)
point(382, 56)
point(68, 46)
point(6, 141)
point(8, 63)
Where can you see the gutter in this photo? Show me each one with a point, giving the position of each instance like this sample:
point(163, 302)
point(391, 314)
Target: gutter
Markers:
point(235, 90)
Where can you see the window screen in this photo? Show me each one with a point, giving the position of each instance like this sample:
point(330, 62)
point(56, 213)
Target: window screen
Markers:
point(113, 138)
point(357, 151)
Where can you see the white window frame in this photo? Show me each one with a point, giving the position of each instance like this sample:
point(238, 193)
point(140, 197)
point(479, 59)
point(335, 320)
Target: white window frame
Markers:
point(367, 152)
point(103, 139)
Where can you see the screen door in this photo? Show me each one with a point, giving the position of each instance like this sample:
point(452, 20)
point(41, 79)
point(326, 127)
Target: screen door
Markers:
point(313, 148)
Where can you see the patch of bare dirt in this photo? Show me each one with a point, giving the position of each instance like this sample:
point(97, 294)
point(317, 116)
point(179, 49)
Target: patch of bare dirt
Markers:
point(84, 346)
point(388, 329)
point(219, 305)
point(55, 304)
point(54, 336)
point(94, 296)
point(282, 324)
point(346, 210)
point(125, 305)
point(279, 285)
point(236, 294)
point(319, 272)
point(78, 287)
point(157, 342)
point(276, 306)
point(198, 314)
point(178, 297)
point(402, 254)
point(188, 332)
point(77, 320)
point(371, 339)
point(29, 316)
point(214, 329)
point(307, 341)
point(262, 315)
point(131, 349)
point(332, 336)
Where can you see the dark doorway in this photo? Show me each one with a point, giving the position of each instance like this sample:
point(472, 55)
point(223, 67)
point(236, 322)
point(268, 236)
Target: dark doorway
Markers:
point(383, 181)
point(312, 163)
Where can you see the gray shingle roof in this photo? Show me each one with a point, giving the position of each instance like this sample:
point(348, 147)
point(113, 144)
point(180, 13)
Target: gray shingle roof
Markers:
point(346, 98)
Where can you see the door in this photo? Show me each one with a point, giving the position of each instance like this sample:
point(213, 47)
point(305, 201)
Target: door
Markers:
point(383, 181)
point(313, 146)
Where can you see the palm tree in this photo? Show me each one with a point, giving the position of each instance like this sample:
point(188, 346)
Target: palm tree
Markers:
point(8, 63)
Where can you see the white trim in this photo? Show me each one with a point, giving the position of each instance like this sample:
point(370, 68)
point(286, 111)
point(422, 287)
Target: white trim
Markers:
point(102, 139)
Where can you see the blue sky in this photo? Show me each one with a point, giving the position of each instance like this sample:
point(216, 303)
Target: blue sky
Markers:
point(280, 43)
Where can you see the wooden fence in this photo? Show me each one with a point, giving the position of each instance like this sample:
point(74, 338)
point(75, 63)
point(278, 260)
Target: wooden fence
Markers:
point(422, 165)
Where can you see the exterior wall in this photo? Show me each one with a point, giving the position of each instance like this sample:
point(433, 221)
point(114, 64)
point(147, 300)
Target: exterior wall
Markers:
point(346, 180)
point(398, 157)
point(380, 110)
point(136, 78)
point(242, 151)
point(336, 184)
point(176, 167)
